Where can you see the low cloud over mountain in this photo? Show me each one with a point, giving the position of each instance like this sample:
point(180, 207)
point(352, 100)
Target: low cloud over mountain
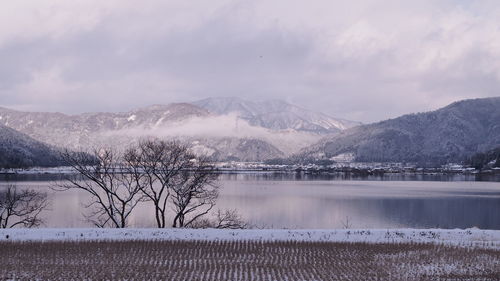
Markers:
point(222, 128)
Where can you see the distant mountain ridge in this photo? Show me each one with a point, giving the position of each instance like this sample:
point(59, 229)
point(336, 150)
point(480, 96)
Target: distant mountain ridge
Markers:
point(276, 115)
point(448, 134)
point(235, 129)
point(77, 131)
point(269, 130)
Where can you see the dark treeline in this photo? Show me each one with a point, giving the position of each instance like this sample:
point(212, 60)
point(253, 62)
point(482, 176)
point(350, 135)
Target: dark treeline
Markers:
point(489, 159)
point(18, 150)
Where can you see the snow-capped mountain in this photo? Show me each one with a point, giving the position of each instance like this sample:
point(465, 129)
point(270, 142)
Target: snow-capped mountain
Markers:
point(81, 131)
point(220, 136)
point(276, 115)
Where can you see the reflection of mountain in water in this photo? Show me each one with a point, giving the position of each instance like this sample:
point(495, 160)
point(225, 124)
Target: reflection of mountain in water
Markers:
point(447, 212)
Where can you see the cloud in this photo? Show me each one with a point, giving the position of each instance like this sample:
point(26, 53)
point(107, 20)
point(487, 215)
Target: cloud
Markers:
point(361, 60)
point(220, 126)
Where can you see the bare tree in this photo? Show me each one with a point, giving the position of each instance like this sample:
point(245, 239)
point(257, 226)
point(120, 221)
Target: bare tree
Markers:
point(194, 193)
point(21, 207)
point(165, 173)
point(173, 178)
point(157, 167)
point(114, 192)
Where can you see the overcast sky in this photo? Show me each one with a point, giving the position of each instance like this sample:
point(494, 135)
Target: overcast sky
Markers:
point(361, 60)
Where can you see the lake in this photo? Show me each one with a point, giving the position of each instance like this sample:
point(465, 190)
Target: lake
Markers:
point(306, 201)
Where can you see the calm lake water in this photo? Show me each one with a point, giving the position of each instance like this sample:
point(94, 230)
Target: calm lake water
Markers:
point(302, 201)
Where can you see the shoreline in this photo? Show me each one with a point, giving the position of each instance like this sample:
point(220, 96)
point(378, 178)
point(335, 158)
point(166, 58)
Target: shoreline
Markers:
point(356, 171)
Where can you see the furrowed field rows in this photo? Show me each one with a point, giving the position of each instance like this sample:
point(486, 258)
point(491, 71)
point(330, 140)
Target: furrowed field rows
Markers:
point(244, 260)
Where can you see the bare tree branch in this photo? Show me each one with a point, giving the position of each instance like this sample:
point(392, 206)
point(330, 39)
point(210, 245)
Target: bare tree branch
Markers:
point(195, 193)
point(169, 174)
point(114, 192)
point(165, 173)
point(21, 207)
point(228, 219)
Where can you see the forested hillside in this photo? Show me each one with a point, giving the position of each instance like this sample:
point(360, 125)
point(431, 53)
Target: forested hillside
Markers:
point(18, 150)
point(452, 133)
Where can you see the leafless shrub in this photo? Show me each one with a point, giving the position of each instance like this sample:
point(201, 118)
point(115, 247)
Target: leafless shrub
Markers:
point(346, 223)
point(21, 207)
point(228, 219)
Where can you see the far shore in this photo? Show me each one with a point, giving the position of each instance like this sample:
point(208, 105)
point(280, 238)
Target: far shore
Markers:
point(356, 169)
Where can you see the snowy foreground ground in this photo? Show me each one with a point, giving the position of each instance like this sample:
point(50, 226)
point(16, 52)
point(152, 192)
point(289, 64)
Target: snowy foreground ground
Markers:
point(466, 237)
point(185, 254)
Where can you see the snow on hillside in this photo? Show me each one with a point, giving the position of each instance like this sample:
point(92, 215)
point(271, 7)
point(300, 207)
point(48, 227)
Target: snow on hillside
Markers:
point(211, 130)
point(459, 237)
point(77, 131)
point(223, 136)
point(450, 134)
point(276, 115)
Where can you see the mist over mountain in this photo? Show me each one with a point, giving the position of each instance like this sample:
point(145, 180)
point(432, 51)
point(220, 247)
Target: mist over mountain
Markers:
point(18, 150)
point(276, 115)
point(237, 149)
point(259, 131)
point(449, 134)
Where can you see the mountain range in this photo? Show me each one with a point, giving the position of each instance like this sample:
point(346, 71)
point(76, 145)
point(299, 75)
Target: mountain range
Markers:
point(236, 129)
point(276, 115)
point(224, 128)
point(83, 131)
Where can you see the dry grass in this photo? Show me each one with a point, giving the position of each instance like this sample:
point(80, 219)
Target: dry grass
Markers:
point(243, 260)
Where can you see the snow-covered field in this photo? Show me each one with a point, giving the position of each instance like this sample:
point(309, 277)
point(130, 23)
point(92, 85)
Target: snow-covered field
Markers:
point(209, 254)
point(466, 237)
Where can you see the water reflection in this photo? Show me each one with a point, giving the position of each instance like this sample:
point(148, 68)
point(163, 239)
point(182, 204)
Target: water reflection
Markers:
point(285, 201)
point(300, 176)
